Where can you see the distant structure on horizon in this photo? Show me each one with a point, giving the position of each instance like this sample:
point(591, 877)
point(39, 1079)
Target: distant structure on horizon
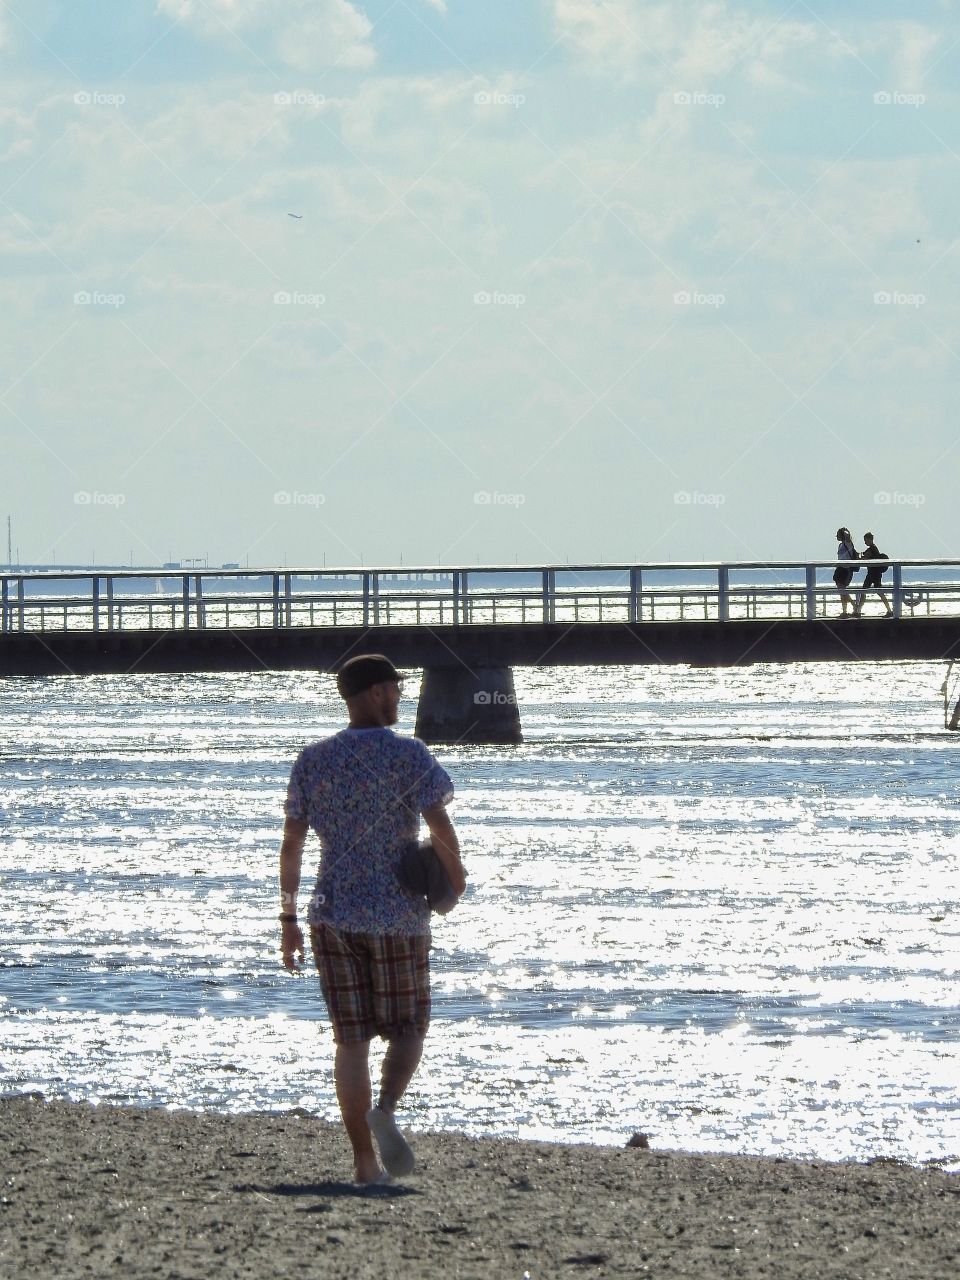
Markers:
point(13, 565)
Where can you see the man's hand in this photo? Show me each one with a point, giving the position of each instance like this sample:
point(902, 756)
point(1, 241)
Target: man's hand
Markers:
point(446, 846)
point(291, 946)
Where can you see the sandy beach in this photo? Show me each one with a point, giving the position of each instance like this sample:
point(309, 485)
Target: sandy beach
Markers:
point(102, 1191)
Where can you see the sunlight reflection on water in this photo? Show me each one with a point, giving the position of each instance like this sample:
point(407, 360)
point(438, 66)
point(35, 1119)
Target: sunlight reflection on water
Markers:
point(718, 906)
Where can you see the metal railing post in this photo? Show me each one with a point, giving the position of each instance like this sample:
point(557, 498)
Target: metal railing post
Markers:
point(455, 582)
point(95, 603)
point(185, 597)
point(275, 599)
point(375, 590)
point(465, 596)
point(287, 600)
point(898, 590)
point(5, 606)
point(365, 578)
point(723, 593)
point(201, 613)
point(17, 623)
point(635, 610)
point(549, 583)
point(811, 594)
point(109, 582)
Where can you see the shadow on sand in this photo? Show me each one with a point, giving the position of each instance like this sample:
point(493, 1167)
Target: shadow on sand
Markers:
point(331, 1191)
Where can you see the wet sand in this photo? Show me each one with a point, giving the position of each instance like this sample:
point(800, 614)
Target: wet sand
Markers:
point(120, 1192)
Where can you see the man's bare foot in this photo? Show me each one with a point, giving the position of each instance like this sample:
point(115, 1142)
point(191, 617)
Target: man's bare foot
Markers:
point(395, 1151)
point(366, 1170)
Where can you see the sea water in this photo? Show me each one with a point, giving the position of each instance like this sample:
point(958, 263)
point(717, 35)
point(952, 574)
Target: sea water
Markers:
point(718, 906)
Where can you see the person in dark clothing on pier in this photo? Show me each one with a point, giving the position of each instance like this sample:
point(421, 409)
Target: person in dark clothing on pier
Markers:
point(875, 573)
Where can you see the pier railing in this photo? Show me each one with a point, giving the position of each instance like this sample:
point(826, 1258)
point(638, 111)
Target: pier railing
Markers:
point(137, 600)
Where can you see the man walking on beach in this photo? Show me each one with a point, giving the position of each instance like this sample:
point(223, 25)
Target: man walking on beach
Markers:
point(363, 792)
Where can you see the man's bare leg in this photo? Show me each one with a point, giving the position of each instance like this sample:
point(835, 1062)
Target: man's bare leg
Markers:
point(352, 1075)
point(399, 1064)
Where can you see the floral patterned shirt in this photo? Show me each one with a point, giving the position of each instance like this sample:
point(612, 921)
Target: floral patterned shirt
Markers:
point(363, 791)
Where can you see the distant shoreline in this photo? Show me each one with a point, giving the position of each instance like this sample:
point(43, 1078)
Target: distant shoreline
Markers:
point(121, 1192)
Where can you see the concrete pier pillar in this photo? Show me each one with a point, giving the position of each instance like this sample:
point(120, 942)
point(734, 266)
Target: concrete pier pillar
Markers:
point(457, 705)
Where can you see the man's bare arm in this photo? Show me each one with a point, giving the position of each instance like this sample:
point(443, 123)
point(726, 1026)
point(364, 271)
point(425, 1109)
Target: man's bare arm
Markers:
point(291, 862)
point(447, 845)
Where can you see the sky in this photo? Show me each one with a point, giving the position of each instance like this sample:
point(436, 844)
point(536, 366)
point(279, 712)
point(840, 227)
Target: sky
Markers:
point(568, 281)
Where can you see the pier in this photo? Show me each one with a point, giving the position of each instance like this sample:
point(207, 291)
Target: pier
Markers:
point(468, 627)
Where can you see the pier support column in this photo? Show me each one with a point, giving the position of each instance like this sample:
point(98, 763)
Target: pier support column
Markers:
point(457, 705)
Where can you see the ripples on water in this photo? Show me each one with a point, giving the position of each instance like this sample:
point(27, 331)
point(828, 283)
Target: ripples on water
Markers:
point(720, 906)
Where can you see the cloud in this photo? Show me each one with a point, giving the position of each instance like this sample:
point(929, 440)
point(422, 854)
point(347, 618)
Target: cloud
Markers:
point(912, 46)
point(690, 43)
point(16, 134)
point(631, 38)
point(701, 44)
point(390, 109)
point(303, 34)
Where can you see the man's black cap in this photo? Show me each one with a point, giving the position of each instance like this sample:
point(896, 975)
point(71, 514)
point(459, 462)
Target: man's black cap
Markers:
point(363, 670)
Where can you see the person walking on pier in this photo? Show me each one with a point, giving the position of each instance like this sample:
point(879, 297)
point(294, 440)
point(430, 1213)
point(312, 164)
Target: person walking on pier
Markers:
point(875, 573)
point(363, 791)
point(843, 576)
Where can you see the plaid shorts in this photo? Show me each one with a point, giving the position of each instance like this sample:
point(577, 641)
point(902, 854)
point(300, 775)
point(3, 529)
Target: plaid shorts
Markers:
point(374, 984)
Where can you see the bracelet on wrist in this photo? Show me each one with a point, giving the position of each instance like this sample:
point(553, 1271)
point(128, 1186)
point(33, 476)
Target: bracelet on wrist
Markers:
point(288, 917)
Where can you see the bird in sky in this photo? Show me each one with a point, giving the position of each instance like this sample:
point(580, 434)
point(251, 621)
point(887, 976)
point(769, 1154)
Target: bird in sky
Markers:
point(298, 216)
